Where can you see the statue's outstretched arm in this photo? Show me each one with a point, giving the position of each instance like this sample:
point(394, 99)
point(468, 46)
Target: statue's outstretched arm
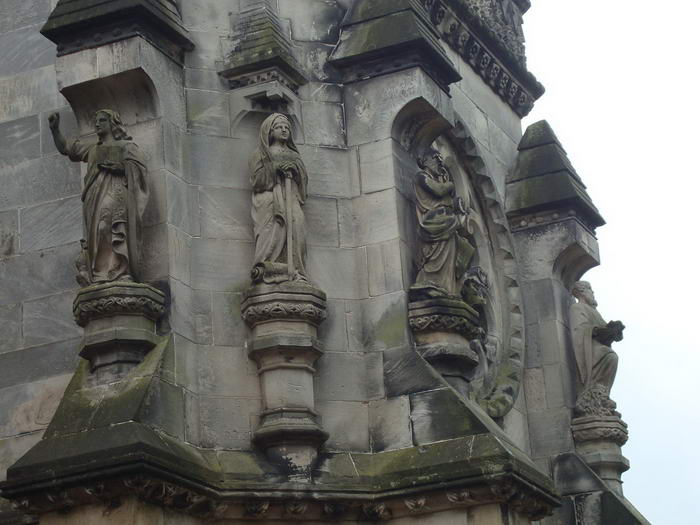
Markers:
point(58, 139)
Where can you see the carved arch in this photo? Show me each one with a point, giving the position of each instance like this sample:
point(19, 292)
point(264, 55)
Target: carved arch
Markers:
point(572, 263)
point(417, 125)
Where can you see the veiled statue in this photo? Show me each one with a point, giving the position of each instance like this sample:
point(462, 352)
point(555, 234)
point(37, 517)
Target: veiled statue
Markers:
point(115, 196)
point(445, 251)
point(596, 362)
point(279, 180)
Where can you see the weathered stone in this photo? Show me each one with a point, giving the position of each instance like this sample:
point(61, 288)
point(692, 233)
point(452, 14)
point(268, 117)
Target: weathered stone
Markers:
point(389, 423)
point(31, 92)
point(225, 213)
point(50, 224)
point(49, 320)
point(215, 161)
point(208, 112)
point(350, 377)
point(34, 364)
point(322, 221)
point(347, 424)
point(377, 165)
point(16, 15)
point(179, 249)
point(229, 328)
point(323, 124)
point(316, 20)
point(219, 264)
point(190, 312)
point(19, 139)
point(29, 407)
point(183, 205)
point(9, 233)
point(327, 264)
point(38, 274)
point(225, 422)
point(226, 371)
point(550, 432)
point(385, 268)
point(405, 372)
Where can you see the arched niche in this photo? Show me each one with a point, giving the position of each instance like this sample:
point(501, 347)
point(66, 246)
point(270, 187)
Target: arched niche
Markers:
point(132, 93)
point(417, 127)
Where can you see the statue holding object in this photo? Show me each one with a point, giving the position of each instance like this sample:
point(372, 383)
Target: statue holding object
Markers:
point(596, 362)
point(115, 195)
point(279, 180)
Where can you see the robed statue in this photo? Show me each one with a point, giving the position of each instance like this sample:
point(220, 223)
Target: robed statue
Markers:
point(114, 196)
point(596, 362)
point(445, 252)
point(279, 180)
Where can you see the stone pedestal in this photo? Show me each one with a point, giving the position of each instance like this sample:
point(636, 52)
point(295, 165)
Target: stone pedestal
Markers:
point(119, 322)
point(598, 440)
point(284, 319)
point(447, 334)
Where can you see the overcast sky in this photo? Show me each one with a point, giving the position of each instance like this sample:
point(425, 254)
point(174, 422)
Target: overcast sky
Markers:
point(622, 96)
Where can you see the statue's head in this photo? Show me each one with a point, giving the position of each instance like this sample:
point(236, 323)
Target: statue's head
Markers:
point(280, 129)
point(433, 163)
point(109, 122)
point(584, 293)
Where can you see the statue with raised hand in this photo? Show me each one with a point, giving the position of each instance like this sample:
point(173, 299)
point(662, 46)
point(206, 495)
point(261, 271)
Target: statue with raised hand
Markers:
point(115, 196)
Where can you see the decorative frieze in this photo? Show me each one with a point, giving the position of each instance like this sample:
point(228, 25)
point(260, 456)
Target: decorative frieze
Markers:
point(487, 35)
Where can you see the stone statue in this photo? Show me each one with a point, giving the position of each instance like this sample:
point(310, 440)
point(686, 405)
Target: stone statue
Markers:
point(596, 362)
point(445, 252)
point(115, 195)
point(279, 180)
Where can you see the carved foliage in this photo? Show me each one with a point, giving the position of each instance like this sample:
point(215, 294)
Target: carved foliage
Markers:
point(303, 311)
point(86, 310)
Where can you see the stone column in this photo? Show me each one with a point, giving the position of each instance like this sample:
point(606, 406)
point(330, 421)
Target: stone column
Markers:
point(284, 319)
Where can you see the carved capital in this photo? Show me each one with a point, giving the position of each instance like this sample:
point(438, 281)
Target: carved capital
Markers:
point(119, 298)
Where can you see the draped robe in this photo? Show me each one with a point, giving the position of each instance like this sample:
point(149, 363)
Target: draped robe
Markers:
point(269, 210)
point(113, 208)
point(596, 363)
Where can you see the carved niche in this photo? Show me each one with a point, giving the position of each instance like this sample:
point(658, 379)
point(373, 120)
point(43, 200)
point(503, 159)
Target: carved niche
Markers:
point(455, 303)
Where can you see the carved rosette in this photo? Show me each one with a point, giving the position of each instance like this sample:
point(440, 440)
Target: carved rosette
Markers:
point(119, 322)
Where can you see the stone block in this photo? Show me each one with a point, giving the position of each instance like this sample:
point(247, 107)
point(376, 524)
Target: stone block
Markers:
point(390, 424)
point(172, 147)
point(322, 221)
point(372, 105)
point(375, 217)
point(377, 165)
point(192, 428)
point(208, 112)
point(229, 328)
point(182, 205)
point(347, 424)
point(313, 57)
point(341, 273)
point(38, 274)
point(51, 224)
point(501, 145)
point(16, 14)
point(471, 115)
point(225, 422)
point(226, 213)
point(405, 372)
point(438, 415)
point(221, 265)
point(49, 319)
point(10, 327)
point(185, 355)
point(28, 93)
point(38, 180)
point(156, 210)
point(481, 94)
point(227, 371)
point(207, 50)
point(9, 233)
point(323, 124)
point(203, 15)
point(179, 250)
point(320, 92)
point(315, 20)
point(550, 432)
point(377, 323)
point(450, 517)
point(533, 384)
point(332, 172)
point(19, 139)
point(164, 408)
point(349, 377)
point(385, 268)
point(30, 407)
point(207, 79)
point(25, 49)
point(13, 448)
point(34, 364)
point(190, 312)
point(497, 170)
point(155, 253)
point(333, 331)
point(515, 425)
point(218, 161)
